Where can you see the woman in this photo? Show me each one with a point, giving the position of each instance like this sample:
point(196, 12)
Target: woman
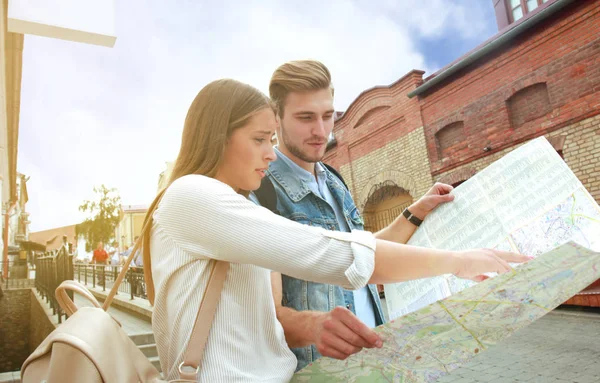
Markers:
point(204, 214)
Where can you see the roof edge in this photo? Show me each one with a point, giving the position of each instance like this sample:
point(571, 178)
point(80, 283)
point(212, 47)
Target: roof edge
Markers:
point(500, 39)
point(412, 72)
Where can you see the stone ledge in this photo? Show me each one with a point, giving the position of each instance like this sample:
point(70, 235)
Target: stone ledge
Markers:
point(10, 377)
point(137, 305)
point(576, 313)
point(46, 307)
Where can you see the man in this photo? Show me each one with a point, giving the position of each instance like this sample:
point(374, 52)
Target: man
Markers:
point(113, 254)
point(320, 319)
point(138, 258)
point(65, 245)
point(100, 255)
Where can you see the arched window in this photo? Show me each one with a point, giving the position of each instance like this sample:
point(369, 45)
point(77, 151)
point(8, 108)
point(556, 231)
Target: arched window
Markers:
point(450, 138)
point(368, 116)
point(528, 104)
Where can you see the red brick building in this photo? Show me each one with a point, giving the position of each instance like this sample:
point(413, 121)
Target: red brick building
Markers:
point(539, 75)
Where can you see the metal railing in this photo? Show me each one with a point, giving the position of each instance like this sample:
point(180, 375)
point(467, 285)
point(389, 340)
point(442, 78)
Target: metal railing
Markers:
point(51, 271)
point(57, 266)
point(104, 276)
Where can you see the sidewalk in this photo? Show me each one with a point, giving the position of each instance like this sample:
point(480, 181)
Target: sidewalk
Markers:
point(561, 347)
point(132, 323)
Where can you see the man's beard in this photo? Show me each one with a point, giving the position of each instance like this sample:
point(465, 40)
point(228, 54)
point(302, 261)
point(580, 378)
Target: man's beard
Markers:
point(297, 151)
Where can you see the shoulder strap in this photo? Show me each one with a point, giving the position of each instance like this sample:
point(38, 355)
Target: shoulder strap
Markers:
point(194, 352)
point(336, 173)
point(266, 195)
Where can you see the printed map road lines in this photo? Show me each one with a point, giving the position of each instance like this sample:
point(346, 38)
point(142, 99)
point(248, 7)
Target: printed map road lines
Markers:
point(424, 345)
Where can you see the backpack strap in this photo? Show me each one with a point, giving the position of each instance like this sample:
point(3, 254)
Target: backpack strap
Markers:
point(194, 352)
point(266, 195)
point(336, 173)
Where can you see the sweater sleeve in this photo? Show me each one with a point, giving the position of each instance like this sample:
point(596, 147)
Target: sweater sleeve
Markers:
point(207, 218)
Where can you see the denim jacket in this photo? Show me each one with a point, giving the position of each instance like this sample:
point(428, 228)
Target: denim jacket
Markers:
point(297, 202)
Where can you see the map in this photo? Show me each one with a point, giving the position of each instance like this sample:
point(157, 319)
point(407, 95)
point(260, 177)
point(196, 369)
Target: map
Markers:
point(530, 202)
point(424, 345)
point(576, 219)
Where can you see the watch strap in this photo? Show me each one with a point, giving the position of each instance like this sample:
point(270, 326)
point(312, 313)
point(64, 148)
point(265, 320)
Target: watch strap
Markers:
point(411, 218)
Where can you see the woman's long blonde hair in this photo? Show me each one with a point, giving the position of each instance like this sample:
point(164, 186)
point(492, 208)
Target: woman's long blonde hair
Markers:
point(219, 108)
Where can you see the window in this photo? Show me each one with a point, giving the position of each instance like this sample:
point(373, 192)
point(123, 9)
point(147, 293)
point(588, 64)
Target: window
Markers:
point(558, 143)
point(451, 139)
point(518, 8)
point(457, 183)
point(528, 104)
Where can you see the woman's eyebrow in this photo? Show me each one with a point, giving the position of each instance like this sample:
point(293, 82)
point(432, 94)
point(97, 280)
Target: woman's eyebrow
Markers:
point(265, 132)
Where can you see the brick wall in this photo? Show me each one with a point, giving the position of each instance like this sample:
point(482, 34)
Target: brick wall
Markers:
point(528, 104)
point(545, 82)
point(14, 329)
point(377, 117)
point(450, 140)
point(547, 79)
point(581, 152)
point(24, 324)
point(403, 161)
point(42, 323)
point(380, 138)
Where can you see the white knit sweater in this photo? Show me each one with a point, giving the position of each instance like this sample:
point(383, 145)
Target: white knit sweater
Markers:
point(200, 218)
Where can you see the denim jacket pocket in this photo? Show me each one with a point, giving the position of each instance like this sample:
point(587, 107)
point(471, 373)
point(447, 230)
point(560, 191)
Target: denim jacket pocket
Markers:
point(356, 218)
point(300, 218)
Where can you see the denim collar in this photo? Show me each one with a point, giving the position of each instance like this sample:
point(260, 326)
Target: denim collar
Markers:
point(291, 179)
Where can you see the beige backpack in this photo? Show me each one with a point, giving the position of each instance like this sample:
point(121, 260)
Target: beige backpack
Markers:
point(92, 347)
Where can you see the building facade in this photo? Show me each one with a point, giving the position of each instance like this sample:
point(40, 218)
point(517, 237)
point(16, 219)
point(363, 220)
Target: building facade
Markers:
point(163, 177)
point(538, 76)
point(61, 19)
point(131, 224)
point(52, 239)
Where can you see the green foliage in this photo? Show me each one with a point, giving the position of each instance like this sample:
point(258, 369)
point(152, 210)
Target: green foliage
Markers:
point(105, 216)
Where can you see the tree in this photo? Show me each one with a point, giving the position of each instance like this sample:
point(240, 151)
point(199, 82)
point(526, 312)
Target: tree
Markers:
point(105, 213)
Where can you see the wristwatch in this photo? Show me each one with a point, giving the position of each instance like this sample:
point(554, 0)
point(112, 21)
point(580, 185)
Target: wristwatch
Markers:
point(411, 218)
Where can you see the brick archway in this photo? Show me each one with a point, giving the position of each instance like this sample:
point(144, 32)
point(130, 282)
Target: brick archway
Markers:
point(401, 179)
point(458, 176)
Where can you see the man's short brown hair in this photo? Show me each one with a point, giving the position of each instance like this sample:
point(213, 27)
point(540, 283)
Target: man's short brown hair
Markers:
point(298, 76)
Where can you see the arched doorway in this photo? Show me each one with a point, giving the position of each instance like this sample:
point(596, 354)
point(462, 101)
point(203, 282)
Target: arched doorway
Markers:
point(386, 201)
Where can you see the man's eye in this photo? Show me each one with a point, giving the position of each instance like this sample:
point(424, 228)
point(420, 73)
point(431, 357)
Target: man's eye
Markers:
point(259, 140)
point(328, 117)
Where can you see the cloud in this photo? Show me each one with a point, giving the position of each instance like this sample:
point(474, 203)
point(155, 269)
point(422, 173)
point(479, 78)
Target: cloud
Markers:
point(93, 115)
point(437, 18)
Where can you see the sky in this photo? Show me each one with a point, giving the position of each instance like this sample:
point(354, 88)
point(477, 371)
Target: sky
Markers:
point(93, 115)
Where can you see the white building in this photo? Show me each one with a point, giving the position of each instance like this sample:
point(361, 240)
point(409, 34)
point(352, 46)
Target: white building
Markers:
point(89, 21)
